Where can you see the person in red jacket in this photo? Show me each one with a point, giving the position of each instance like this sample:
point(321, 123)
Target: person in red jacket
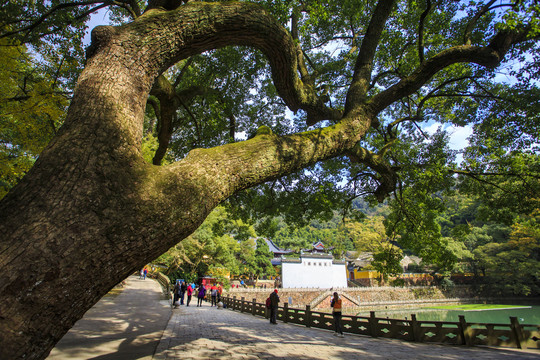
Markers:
point(189, 291)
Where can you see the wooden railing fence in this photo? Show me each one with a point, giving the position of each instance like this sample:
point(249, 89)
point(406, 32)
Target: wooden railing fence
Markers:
point(514, 334)
point(164, 281)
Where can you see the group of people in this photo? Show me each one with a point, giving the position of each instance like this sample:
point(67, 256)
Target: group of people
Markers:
point(336, 303)
point(181, 289)
point(272, 303)
point(143, 273)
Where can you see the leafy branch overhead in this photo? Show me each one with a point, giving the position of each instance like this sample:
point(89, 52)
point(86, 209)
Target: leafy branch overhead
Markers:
point(400, 82)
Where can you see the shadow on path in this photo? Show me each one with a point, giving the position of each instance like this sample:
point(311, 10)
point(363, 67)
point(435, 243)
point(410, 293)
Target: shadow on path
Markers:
point(123, 327)
point(137, 325)
point(208, 333)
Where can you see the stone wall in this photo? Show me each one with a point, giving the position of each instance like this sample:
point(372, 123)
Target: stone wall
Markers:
point(324, 305)
point(297, 298)
point(366, 297)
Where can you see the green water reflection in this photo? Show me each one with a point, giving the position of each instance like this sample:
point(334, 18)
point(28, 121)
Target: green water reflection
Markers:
point(500, 316)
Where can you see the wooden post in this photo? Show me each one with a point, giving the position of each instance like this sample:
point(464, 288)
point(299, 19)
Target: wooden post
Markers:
point(233, 307)
point(242, 304)
point(308, 316)
point(466, 331)
point(415, 328)
point(354, 324)
point(253, 305)
point(373, 328)
point(518, 333)
point(285, 312)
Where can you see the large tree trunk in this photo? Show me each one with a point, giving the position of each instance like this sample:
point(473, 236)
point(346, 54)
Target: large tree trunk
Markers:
point(91, 211)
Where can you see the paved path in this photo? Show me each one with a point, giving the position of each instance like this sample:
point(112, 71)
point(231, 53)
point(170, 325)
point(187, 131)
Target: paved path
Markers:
point(208, 333)
point(126, 326)
point(136, 325)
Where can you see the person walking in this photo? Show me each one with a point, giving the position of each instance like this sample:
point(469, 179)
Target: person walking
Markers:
point(189, 292)
point(219, 292)
point(336, 304)
point(213, 293)
point(182, 292)
point(274, 302)
point(200, 295)
point(176, 292)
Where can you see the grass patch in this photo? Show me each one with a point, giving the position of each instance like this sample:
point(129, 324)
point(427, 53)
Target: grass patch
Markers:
point(477, 307)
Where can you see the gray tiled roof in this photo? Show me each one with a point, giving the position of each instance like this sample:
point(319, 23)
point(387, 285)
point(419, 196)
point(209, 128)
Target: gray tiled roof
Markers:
point(273, 248)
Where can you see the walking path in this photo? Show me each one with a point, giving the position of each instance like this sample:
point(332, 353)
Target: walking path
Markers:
point(126, 326)
point(210, 333)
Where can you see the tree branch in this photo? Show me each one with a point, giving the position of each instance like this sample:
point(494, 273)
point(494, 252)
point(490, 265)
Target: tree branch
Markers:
point(421, 31)
point(192, 29)
point(182, 72)
point(489, 56)
point(472, 22)
point(380, 75)
point(364, 62)
point(433, 94)
point(135, 9)
point(387, 176)
point(51, 11)
point(250, 25)
point(155, 105)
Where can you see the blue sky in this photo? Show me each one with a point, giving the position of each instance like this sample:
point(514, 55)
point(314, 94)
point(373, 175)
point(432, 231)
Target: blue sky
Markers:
point(98, 18)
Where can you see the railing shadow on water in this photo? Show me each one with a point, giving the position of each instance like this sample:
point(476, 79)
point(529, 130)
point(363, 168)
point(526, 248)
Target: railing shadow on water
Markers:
point(511, 335)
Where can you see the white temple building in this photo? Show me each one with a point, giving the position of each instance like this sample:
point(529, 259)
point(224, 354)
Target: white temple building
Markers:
point(313, 271)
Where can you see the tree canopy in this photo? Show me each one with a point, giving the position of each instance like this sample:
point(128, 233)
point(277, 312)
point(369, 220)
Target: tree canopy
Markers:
point(307, 104)
point(219, 247)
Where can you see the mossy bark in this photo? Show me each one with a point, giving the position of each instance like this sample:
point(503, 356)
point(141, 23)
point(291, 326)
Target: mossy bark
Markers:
point(91, 211)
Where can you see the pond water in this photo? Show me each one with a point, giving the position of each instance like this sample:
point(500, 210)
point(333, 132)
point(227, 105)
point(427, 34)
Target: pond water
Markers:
point(526, 315)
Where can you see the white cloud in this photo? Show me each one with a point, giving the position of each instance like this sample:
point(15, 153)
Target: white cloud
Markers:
point(240, 136)
point(431, 128)
point(459, 136)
